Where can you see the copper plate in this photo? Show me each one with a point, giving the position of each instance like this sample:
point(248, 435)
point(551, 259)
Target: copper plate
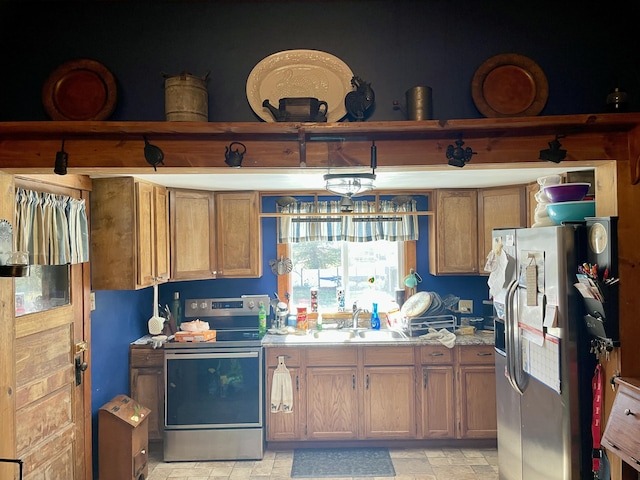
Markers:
point(80, 90)
point(509, 85)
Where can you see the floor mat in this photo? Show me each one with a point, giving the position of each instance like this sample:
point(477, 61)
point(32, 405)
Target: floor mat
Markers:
point(342, 462)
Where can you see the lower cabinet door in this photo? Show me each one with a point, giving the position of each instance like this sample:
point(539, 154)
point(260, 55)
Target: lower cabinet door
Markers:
point(332, 403)
point(477, 414)
point(438, 402)
point(284, 426)
point(389, 402)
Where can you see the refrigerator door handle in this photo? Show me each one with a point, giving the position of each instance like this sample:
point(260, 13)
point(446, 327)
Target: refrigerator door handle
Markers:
point(512, 340)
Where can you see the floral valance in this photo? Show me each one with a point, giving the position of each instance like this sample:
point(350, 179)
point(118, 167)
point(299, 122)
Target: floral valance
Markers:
point(384, 221)
point(52, 228)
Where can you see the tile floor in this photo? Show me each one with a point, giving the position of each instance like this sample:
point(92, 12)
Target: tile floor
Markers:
point(409, 464)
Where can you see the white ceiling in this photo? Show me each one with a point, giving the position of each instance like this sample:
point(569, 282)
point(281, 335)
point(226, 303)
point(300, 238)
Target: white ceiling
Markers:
point(387, 178)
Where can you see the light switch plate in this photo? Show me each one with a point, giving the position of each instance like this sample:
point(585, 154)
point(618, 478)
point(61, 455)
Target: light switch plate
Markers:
point(465, 306)
point(92, 297)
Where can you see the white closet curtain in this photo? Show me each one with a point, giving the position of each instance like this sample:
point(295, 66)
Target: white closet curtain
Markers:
point(52, 228)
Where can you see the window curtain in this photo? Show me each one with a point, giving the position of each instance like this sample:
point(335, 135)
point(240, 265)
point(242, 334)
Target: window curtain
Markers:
point(373, 224)
point(52, 228)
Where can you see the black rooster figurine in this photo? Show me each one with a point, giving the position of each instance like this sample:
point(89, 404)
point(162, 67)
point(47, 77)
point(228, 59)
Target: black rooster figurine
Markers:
point(360, 100)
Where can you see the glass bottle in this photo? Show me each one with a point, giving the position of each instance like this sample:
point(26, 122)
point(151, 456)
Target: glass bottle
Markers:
point(375, 319)
point(176, 309)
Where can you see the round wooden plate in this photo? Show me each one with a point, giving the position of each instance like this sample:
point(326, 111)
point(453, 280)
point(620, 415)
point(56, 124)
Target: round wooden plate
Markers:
point(509, 85)
point(80, 90)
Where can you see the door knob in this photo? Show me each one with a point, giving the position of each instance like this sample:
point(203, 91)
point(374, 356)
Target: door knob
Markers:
point(80, 367)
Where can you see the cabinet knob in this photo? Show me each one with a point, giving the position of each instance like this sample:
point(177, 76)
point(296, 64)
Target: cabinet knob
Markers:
point(143, 451)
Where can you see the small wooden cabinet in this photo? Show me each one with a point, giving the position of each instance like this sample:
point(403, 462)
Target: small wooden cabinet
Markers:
point(476, 392)
point(146, 383)
point(129, 234)
point(460, 230)
point(437, 408)
point(214, 235)
point(123, 445)
point(622, 433)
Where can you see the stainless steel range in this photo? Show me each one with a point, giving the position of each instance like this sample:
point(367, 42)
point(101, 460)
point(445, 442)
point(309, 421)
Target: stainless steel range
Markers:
point(214, 391)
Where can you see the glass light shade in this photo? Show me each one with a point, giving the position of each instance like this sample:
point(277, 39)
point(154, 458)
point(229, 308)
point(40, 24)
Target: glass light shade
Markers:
point(349, 184)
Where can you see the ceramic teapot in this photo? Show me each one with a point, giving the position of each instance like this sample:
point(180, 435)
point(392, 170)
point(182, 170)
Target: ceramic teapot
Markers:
point(298, 109)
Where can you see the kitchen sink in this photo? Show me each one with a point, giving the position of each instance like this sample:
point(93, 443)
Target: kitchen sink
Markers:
point(379, 335)
point(334, 335)
point(358, 335)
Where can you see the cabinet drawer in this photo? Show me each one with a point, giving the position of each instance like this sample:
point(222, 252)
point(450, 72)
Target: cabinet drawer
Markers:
point(291, 356)
point(388, 355)
point(435, 354)
point(623, 427)
point(332, 356)
point(477, 355)
point(146, 357)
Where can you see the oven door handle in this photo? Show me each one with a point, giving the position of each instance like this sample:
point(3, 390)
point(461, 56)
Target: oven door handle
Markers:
point(209, 355)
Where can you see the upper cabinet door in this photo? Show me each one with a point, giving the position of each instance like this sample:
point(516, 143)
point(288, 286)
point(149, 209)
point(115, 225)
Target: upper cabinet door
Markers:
point(453, 232)
point(193, 245)
point(145, 224)
point(161, 230)
point(504, 207)
point(239, 237)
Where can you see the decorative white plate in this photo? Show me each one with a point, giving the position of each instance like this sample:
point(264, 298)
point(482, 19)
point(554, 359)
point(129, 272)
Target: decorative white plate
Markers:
point(299, 73)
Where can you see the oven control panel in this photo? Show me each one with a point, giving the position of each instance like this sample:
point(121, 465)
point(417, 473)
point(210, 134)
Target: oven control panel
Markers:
point(246, 305)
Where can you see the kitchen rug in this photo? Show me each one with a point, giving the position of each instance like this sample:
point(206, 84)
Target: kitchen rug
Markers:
point(342, 462)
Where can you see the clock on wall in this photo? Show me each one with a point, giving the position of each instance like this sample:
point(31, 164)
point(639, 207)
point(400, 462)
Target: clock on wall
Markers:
point(602, 243)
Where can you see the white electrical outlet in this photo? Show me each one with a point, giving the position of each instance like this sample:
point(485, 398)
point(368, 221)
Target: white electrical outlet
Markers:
point(465, 306)
point(92, 297)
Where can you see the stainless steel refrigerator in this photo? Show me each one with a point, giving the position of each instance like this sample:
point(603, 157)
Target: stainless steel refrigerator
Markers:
point(543, 364)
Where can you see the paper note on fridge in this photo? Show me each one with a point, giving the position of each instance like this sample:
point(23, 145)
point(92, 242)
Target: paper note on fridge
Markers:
point(550, 316)
point(531, 316)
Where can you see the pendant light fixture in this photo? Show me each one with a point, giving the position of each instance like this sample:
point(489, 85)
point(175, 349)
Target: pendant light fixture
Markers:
point(352, 184)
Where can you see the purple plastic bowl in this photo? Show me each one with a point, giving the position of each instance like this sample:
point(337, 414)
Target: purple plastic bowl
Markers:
point(566, 192)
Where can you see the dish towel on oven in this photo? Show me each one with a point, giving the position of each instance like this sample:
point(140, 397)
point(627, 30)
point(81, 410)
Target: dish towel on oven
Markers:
point(281, 390)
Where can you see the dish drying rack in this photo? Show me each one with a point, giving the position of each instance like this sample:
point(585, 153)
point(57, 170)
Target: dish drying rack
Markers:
point(421, 325)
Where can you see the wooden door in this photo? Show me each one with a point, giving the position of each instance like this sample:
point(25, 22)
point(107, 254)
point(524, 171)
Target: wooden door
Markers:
point(45, 416)
point(389, 402)
point(238, 235)
point(332, 403)
point(437, 405)
point(53, 414)
point(193, 244)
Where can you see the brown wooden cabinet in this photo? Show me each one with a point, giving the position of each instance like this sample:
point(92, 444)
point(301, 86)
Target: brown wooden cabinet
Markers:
point(622, 433)
point(476, 392)
point(502, 207)
point(389, 393)
point(437, 408)
point(453, 232)
point(332, 394)
point(129, 234)
point(146, 383)
point(239, 237)
point(214, 235)
point(284, 426)
point(460, 230)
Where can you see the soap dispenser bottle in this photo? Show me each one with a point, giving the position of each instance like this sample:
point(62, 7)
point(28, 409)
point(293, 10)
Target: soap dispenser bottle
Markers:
point(375, 319)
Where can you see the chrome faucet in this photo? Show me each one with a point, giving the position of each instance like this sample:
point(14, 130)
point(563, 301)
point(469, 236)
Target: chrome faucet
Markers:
point(356, 313)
